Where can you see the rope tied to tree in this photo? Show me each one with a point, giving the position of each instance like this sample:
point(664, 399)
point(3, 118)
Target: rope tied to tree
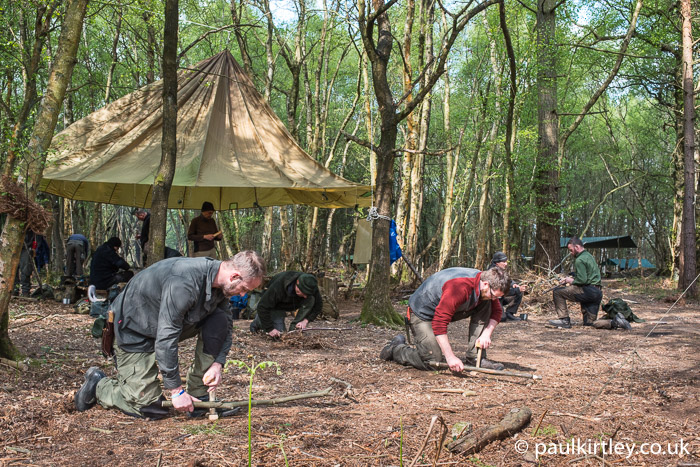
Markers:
point(373, 214)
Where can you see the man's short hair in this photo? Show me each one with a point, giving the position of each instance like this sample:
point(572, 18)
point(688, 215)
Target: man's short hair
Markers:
point(575, 241)
point(497, 278)
point(140, 211)
point(248, 263)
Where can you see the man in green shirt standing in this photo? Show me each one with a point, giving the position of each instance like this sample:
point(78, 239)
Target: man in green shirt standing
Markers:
point(585, 287)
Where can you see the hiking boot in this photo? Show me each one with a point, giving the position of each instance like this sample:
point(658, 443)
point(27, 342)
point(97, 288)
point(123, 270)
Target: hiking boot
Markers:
point(485, 363)
point(564, 323)
point(86, 397)
point(619, 322)
point(155, 410)
point(511, 317)
point(387, 353)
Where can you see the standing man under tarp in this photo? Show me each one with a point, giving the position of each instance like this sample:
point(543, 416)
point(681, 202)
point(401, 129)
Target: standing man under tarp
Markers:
point(172, 300)
point(203, 232)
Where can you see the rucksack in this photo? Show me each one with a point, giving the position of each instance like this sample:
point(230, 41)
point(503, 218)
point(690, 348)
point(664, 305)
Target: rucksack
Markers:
point(618, 305)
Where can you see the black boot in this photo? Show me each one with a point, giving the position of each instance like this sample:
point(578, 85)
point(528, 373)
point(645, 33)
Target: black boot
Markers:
point(485, 363)
point(564, 323)
point(86, 397)
point(155, 410)
point(511, 317)
point(619, 322)
point(387, 353)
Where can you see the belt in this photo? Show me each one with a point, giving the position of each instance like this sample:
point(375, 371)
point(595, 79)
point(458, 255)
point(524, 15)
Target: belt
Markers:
point(598, 286)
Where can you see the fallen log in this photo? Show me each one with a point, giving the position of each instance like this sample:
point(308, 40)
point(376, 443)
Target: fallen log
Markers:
point(14, 364)
point(254, 402)
point(512, 423)
point(445, 366)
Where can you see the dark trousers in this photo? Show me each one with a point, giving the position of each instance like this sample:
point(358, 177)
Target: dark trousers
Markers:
point(74, 258)
point(511, 302)
point(23, 278)
point(589, 296)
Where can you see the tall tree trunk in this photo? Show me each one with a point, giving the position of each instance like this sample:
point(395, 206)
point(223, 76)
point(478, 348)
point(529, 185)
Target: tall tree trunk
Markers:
point(416, 198)
point(377, 306)
point(285, 240)
point(266, 248)
point(33, 168)
point(688, 235)
point(546, 181)
point(402, 204)
point(31, 54)
point(150, 48)
point(484, 228)
point(57, 234)
point(236, 14)
point(166, 171)
point(510, 216)
point(114, 57)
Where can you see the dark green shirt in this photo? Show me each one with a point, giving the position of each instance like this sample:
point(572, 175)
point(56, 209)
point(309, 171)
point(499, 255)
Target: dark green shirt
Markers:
point(587, 272)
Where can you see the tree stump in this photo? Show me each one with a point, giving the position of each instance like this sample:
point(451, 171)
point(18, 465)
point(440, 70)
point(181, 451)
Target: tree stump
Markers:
point(513, 422)
point(329, 293)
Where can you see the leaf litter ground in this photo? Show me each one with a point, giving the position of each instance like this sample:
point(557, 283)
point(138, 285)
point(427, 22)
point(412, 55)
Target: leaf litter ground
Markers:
point(597, 385)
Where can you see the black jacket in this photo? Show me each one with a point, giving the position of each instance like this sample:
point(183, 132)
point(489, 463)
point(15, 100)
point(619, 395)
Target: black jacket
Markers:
point(105, 264)
point(278, 297)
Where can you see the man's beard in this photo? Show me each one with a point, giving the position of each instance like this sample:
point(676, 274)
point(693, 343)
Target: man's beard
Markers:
point(230, 289)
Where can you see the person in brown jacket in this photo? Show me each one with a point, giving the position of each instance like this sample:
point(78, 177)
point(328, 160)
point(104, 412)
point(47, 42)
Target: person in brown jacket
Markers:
point(204, 232)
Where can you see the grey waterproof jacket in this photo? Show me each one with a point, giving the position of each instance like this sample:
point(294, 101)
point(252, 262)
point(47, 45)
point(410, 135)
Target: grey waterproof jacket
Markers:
point(160, 301)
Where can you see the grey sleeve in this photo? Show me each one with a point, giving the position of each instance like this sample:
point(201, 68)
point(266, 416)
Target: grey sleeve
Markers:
point(176, 300)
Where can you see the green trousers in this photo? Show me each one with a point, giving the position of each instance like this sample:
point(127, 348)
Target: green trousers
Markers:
point(427, 348)
point(136, 384)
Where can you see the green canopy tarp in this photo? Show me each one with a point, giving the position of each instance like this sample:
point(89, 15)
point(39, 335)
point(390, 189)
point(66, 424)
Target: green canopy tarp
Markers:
point(232, 150)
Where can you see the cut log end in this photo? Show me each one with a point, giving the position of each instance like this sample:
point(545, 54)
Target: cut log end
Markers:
point(514, 421)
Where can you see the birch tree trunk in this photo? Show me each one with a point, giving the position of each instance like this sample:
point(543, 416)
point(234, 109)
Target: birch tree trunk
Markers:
point(484, 228)
point(31, 61)
point(687, 262)
point(33, 167)
point(402, 204)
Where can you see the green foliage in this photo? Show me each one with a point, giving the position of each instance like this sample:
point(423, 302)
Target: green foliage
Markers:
point(546, 431)
point(251, 369)
point(209, 429)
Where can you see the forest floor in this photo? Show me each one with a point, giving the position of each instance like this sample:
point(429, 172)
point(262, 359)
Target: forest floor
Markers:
point(624, 388)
